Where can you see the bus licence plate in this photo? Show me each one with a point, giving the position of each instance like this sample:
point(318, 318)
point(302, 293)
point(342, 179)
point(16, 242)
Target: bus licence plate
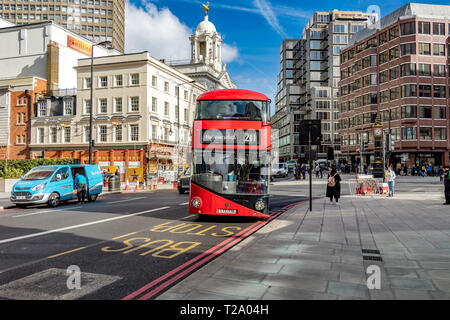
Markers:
point(21, 197)
point(227, 211)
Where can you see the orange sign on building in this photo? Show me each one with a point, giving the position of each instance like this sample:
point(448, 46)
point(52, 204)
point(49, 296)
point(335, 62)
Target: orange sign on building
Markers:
point(79, 45)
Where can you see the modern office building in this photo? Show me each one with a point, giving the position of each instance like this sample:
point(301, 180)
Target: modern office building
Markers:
point(308, 83)
point(398, 72)
point(94, 19)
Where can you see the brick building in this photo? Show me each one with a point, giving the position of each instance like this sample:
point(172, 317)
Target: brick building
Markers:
point(17, 98)
point(398, 71)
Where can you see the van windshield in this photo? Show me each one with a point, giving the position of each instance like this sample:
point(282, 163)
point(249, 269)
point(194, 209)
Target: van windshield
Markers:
point(281, 165)
point(39, 173)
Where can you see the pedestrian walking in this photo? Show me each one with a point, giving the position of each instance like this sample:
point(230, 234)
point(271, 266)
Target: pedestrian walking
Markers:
point(321, 171)
point(390, 177)
point(447, 185)
point(441, 174)
point(81, 186)
point(316, 170)
point(334, 186)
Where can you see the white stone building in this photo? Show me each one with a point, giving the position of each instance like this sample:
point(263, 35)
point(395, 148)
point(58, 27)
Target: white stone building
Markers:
point(206, 58)
point(142, 110)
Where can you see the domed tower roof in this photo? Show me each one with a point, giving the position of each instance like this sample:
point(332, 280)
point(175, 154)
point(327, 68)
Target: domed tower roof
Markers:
point(205, 27)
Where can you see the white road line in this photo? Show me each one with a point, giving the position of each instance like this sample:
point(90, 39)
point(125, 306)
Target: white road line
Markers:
point(183, 204)
point(78, 226)
point(127, 200)
point(45, 211)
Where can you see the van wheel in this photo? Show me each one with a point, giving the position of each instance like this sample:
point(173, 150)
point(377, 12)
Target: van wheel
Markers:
point(92, 197)
point(53, 200)
point(181, 191)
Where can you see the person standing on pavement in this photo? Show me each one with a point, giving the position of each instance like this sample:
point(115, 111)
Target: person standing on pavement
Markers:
point(390, 177)
point(81, 185)
point(334, 186)
point(321, 171)
point(447, 185)
point(441, 173)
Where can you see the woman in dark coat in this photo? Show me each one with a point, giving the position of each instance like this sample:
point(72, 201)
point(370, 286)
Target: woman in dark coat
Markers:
point(334, 191)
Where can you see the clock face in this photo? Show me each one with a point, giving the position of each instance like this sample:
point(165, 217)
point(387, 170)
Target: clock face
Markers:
point(378, 132)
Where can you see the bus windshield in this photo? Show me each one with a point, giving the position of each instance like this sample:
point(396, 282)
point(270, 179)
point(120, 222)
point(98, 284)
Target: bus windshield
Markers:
point(232, 110)
point(39, 173)
point(233, 175)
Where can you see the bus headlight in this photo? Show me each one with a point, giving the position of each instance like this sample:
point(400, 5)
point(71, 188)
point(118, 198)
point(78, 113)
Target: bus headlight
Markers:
point(259, 205)
point(196, 202)
point(39, 186)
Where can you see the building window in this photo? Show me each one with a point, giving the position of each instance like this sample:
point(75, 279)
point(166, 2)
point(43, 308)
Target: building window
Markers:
point(68, 107)
point(134, 104)
point(67, 134)
point(87, 83)
point(409, 133)
point(103, 106)
point(134, 132)
point(134, 79)
point(425, 133)
point(42, 108)
point(409, 90)
point(166, 86)
point(438, 49)
point(424, 69)
point(408, 28)
point(186, 115)
point(53, 135)
point(408, 69)
point(439, 91)
point(40, 135)
point(409, 112)
point(439, 70)
point(103, 132)
point(154, 81)
point(104, 82)
point(118, 80)
point(425, 112)
point(154, 104)
point(439, 28)
point(185, 95)
point(118, 104)
point(154, 132)
point(166, 108)
point(86, 134)
point(424, 27)
point(424, 48)
point(439, 112)
point(408, 48)
point(87, 106)
point(440, 133)
point(424, 90)
point(118, 132)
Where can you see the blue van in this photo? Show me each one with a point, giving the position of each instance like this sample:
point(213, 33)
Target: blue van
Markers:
point(55, 184)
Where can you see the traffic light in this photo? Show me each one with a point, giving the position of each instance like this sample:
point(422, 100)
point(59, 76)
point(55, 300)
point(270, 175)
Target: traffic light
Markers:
point(330, 153)
point(365, 146)
point(389, 143)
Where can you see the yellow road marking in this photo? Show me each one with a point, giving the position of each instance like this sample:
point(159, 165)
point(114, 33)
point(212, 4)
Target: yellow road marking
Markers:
point(124, 236)
point(70, 251)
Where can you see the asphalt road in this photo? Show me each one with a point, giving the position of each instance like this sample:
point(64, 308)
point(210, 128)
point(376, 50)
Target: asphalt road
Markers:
point(124, 246)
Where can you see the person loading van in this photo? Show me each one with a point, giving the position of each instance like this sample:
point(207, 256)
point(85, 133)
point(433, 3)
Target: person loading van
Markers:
point(81, 185)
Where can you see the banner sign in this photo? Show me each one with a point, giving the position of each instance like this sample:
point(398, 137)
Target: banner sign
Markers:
point(79, 45)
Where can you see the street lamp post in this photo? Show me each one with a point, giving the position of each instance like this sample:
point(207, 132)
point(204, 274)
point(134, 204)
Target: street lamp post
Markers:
point(178, 140)
point(92, 96)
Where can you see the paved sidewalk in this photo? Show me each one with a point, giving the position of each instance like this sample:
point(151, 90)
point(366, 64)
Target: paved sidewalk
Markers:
point(318, 254)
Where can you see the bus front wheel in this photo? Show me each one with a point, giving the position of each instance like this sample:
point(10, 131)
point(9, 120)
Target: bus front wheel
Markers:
point(92, 197)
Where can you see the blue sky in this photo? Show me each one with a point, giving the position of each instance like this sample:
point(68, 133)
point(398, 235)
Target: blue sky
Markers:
point(252, 30)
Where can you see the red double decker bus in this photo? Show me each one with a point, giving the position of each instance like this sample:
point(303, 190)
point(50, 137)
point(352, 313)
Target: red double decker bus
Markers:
point(231, 154)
